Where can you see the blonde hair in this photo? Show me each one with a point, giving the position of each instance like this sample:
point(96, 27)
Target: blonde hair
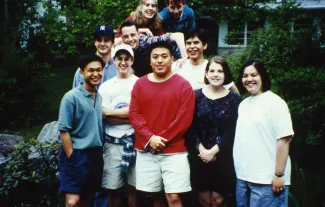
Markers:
point(140, 21)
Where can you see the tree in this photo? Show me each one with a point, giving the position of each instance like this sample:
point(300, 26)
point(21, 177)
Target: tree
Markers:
point(68, 27)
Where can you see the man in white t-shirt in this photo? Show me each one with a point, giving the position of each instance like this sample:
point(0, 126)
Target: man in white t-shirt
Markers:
point(194, 68)
point(118, 152)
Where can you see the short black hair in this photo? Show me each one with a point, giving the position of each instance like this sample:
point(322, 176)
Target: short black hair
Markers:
point(161, 45)
point(225, 68)
point(201, 34)
point(128, 23)
point(266, 82)
point(86, 59)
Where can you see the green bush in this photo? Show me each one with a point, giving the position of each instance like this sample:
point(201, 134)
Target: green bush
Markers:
point(31, 182)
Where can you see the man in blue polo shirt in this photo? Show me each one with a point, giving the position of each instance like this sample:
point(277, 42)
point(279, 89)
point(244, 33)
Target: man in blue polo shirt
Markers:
point(81, 133)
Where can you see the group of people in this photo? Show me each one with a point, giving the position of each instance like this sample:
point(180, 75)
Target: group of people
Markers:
point(140, 122)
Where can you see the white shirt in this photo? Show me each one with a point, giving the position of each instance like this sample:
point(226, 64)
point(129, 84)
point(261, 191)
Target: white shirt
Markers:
point(116, 94)
point(195, 74)
point(262, 120)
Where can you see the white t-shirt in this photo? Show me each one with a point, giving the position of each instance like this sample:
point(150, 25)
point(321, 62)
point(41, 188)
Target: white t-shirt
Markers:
point(195, 74)
point(116, 93)
point(262, 120)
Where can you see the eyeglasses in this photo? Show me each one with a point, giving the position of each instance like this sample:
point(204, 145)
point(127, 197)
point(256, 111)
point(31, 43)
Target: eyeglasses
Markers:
point(120, 59)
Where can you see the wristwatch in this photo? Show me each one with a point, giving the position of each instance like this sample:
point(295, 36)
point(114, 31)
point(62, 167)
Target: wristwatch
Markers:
point(279, 175)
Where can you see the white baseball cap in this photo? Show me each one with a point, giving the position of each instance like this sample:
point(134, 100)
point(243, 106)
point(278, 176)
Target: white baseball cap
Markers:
point(126, 47)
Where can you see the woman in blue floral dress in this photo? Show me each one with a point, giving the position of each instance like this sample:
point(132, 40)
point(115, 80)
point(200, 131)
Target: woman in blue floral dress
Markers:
point(211, 136)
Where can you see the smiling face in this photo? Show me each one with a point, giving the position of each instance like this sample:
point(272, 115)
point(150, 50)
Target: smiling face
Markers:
point(103, 45)
point(215, 75)
point(123, 63)
point(130, 36)
point(175, 9)
point(195, 48)
point(161, 62)
point(149, 9)
point(252, 81)
point(92, 74)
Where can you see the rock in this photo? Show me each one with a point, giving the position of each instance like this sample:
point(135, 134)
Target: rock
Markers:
point(49, 132)
point(7, 143)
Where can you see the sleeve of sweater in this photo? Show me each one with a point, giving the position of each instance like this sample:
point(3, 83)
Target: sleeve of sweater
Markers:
point(193, 136)
point(184, 116)
point(136, 118)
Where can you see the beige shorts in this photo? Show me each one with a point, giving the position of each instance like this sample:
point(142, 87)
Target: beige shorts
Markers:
point(155, 171)
point(113, 178)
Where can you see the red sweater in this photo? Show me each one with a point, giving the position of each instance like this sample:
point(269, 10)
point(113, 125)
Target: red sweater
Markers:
point(164, 109)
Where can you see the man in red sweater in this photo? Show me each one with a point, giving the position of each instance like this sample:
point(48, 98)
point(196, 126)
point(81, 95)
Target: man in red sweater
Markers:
point(161, 111)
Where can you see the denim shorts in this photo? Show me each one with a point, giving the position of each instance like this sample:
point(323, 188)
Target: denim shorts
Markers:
point(259, 195)
point(81, 173)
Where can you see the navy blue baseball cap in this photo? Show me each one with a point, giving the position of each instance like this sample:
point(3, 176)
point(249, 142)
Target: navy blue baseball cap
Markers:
point(104, 31)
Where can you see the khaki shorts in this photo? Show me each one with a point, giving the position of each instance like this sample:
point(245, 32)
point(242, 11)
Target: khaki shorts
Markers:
point(113, 178)
point(155, 171)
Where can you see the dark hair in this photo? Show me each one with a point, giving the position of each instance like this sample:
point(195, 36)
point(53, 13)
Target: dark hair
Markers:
point(266, 82)
point(161, 45)
point(175, 1)
point(199, 34)
point(225, 68)
point(86, 59)
point(128, 23)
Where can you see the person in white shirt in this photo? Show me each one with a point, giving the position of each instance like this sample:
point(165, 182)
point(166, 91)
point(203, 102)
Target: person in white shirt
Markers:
point(118, 151)
point(261, 147)
point(194, 68)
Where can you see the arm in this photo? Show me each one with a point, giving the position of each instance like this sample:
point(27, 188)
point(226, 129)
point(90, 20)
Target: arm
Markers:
point(65, 123)
point(66, 143)
point(192, 21)
point(116, 113)
point(184, 116)
point(115, 120)
point(178, 38)
point(145, 31)
point(282, 153)
point(234, 88)
point(136, 118)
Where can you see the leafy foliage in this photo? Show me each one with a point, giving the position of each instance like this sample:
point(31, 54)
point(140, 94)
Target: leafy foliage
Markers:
point(33, 181)
point(69, 25)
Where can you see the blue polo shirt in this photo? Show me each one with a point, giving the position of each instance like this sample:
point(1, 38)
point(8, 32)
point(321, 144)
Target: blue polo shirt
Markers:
point(81, 116)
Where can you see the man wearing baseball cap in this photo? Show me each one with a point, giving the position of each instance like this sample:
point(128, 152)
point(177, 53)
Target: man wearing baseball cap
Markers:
point(103, 41)
point(118, 151)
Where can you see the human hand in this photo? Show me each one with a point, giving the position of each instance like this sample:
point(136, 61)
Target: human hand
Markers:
point(278, 184)
point(68, 152)
point(156, 143)
point(180, 62)
point(207, 156)
point(145, 31)
point(201, 148)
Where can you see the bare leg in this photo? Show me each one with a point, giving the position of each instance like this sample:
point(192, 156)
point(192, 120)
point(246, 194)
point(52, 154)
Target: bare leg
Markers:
point(132, 197)
point(217, 199)
point(114, 198)
point(73, 200)
point(204, 198)
point(174, 200)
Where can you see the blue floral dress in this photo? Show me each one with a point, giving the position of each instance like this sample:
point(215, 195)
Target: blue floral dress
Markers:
point(214, 123)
